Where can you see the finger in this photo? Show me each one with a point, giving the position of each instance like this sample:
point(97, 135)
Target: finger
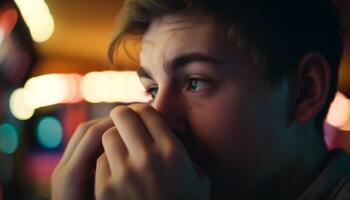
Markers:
point(131, 129)
point(115, 150)
point(75, 139)
point(156, 125)
point(102, 175)
point(90, 145)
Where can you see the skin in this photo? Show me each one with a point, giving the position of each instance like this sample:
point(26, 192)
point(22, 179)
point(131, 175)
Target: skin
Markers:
point(215, 126)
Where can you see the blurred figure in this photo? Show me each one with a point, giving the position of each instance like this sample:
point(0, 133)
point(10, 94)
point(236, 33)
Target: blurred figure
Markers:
point(17, 56)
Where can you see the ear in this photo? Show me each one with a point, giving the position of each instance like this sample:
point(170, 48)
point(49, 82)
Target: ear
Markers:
point(312, 86)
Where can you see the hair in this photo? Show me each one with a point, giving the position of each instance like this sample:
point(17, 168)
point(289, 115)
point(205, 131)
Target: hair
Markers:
point(276, 33)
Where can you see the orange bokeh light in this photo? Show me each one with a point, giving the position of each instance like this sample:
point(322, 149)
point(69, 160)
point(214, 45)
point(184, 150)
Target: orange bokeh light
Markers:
point(339, 110)
point(346, 125)
point(8, 19)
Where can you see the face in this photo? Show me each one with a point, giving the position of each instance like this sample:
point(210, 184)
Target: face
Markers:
point(216, 100)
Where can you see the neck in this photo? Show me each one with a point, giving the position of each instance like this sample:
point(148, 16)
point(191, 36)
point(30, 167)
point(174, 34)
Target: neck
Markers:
point(295, 177)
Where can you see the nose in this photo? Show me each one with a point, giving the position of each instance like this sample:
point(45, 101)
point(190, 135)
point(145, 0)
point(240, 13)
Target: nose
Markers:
point(172, 107)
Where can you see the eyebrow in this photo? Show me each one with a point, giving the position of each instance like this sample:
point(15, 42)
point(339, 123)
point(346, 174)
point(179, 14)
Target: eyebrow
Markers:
point(180, 62)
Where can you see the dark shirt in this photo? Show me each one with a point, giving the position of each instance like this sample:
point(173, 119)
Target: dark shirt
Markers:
point(333, 183)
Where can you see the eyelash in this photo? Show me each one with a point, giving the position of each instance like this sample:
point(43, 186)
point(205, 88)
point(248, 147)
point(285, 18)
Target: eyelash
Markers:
point(150, 90)
point(189, 83)
point(192, 80)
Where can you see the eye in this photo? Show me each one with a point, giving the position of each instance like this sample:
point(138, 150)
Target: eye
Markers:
point(153, 92)
point(196, 84)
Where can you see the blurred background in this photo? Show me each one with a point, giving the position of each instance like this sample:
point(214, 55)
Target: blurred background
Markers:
point(54, 75)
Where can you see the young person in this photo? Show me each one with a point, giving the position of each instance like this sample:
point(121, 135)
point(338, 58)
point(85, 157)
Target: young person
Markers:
point(240, 90)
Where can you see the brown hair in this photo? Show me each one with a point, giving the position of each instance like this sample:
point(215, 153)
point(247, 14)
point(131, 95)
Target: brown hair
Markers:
point(277, 33)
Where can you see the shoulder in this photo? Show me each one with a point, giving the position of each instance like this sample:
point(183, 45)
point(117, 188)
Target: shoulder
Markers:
point(342, 189)
point(333, 183)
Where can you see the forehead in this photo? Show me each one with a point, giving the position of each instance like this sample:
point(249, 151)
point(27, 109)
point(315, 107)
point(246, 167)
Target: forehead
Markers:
point(175, 34)
point(179, 23)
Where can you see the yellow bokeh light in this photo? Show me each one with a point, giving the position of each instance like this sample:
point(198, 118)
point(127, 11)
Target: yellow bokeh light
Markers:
point(90, 87)
point(94, 87)
point(112, 86)
point(46, 90)
point(102, 82)
point(38, 18)
point(127, 88)
point(339, 111)
point(114, 91)
point(19, 107)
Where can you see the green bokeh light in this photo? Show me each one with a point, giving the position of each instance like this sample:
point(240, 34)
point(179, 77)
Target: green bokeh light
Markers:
point(8, 138)
point(49, 132)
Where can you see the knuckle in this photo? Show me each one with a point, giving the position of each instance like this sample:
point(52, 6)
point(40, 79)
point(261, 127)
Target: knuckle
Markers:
point(141, 108)
point(171, 151)
point(62, 177)
point(93, 129)
point(57, 170)
point(72, 172)
point(105, 192)
point(68, 172)
point(101, 160)
point(97, 127)
point(120, 111)
point(145, 159)
point(107, 136)
point(126, 175)
point(84, 126)
point(87, 124)
point(55, 176)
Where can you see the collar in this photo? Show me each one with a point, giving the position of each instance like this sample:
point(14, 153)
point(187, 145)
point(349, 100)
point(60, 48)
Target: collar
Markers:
point(337, 167)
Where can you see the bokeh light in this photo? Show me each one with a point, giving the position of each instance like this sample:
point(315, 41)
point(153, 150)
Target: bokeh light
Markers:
point(94, 87)
point(46, 90)
point(73, 93)
point(126, 87)
point(38, 18)
point(2, 35)
point(19, 105)
point(346, 125)
point(49, 132)
point(8, 20)
point(339, 111)
point(112, 86)
point(8, 138)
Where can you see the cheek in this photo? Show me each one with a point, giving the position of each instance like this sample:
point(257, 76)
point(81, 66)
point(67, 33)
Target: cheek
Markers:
point(215, 122)
point(234, 128)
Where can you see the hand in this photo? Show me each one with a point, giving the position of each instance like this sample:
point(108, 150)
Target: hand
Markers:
point(73, 177)
point(144, 160)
